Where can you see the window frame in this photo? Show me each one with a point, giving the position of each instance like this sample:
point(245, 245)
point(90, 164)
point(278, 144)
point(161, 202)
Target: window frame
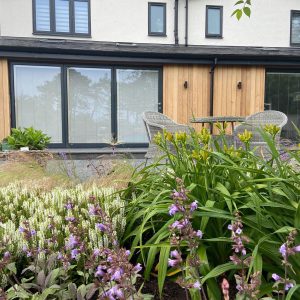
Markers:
point(164, 6)
point(64, 99)
point(291, 27)
point(52, 30)
point(207, 34)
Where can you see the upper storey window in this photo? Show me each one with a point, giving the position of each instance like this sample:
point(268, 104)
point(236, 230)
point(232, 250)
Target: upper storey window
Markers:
point(62, 17)
point(157, 19)
point(214, 21)
point(295, 27)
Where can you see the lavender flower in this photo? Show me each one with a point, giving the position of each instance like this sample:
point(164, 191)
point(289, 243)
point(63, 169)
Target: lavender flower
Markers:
point(197, 285)
point(72, 242)
point(101, 227)
point(173, 262)
point(6, 254)
point(194, 206)
point(173, 209)
point(117, 274)
point(282, 250)
point(75, 253)
point(100, 271)
point(96, 252)
point(199, 234)
point(276, 277)
point(69, 206)
point(137, 268)
point(70, 219)
point(288, 286)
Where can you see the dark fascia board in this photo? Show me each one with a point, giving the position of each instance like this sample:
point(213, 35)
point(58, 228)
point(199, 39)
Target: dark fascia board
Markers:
point(158, 53)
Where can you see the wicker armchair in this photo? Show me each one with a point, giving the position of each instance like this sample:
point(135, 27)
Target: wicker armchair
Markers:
point(257, 121)
point(156, 122)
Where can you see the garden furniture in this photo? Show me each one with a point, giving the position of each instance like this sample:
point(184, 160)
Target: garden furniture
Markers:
point(254, 123)
point(220, 119)
point(156, 122)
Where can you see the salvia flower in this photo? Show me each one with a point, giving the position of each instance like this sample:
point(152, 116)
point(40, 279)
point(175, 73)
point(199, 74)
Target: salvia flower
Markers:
point(194, 206)
point(101, 227)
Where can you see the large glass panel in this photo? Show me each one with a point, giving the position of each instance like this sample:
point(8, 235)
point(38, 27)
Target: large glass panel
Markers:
point(89, 105)
point(283, 94)
point(295, 28)
point(81, 10)
point(157, 22)
point(38, 99)
point(137, 91)
point(62, 16)
point(42, 13)
point(214, 21)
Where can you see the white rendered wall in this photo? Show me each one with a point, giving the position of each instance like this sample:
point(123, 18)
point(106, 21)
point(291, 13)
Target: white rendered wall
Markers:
point(127, 21)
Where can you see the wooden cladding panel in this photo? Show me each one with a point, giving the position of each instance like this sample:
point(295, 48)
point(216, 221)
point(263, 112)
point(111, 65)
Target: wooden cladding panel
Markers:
point(231, 101)
point(181, 103)
point(4, 100)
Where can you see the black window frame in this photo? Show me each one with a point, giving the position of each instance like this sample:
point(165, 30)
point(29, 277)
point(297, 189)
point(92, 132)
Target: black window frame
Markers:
point(52, 30)
point(164, 6)
point(207, 34)
point(291, 27)
point(64, 99)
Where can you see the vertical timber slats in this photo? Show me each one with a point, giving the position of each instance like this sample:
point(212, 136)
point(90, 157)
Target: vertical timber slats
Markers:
point(231, 101)
point(181, 103)
point(4, 100)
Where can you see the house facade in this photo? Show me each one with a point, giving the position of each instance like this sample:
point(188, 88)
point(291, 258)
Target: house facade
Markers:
point(83, 71)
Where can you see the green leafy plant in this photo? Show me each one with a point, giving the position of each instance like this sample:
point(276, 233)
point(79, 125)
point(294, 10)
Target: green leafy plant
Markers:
point(222, 179)
point(28, 137)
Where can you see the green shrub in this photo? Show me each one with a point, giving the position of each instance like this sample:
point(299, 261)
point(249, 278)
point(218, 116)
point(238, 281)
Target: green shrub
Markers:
point(265, 190)
point(28, 137)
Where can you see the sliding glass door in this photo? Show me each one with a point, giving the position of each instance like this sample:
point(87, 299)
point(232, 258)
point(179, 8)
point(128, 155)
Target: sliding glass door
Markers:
point(86, 106)
point(137, 91)
point(89, 105)
point(38, 101)
point(283, 94)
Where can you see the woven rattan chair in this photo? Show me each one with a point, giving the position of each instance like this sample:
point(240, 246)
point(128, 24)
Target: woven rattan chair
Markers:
point(156, 122)
point(256, 122)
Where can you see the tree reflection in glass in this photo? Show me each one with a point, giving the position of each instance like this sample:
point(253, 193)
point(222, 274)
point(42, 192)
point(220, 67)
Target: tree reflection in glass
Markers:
point(89, 105)
point(38, 99)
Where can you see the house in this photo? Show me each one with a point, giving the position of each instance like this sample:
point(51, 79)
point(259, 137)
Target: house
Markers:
point(83, 71)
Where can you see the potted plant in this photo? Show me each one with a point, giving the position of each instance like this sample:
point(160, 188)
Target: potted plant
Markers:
point(5, 145)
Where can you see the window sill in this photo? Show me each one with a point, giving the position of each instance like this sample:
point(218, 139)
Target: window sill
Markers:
point(50, 34)
point(214, 36)
point(157, 34)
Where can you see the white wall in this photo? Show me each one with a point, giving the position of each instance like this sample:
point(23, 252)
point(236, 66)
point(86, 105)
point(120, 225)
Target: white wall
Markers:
point(127, 21)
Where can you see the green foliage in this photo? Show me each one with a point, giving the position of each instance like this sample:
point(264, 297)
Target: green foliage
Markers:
point(28, 137)
point(244, 7)
point(265, 190)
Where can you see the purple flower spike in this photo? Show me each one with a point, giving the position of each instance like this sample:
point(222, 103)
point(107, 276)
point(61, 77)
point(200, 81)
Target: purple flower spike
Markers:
point(72, 243)
point(101, 227)
point(199, 234)
point(96, 252)
point(173, 210)
point(197, 285)
point(137, 268)
point(288, 286)
point(282, 250)
point(175, 254)
point(74, 253)
point(100, 271)
point(69, 206)
point(117, 274)
point(297, 248)
point(239, 231)
point(194, 206)
point(6, 254)
point(70, 219)
point(172, 262)
point(276, 277)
